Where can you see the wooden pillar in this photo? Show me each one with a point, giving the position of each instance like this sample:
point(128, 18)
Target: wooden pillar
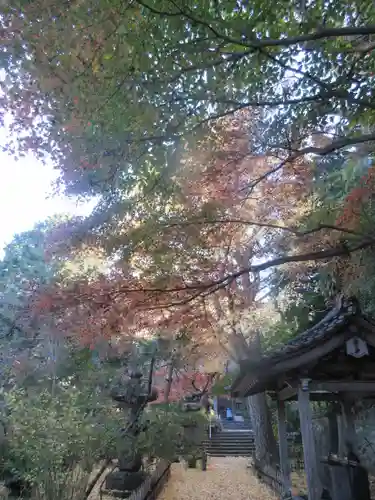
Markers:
point(349, 427)
point(340, 483)
point(314, 487)
point(340, 480)
point(341, 433)
point(333, 430)
point(283, 446)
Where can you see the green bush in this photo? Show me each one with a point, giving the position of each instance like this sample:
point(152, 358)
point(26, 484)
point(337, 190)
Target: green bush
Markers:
point(167, 437)
point(56, 440)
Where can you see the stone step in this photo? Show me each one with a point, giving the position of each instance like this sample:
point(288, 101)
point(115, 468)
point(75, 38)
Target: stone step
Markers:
point(116, 493)
point(236, 426)
point(232, 436)
point(215, 444)
point(230, 447)
point(232, 443)
point(235, 432)
point(224, 438)
point(230, 453)
point(229, 441)
point(235, 452)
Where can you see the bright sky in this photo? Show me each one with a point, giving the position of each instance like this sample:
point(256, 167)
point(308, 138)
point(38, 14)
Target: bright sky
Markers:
point(25, 188)
point(25, 193)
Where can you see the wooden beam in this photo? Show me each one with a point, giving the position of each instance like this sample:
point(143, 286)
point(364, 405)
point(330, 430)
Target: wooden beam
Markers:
point(326, 396)
point(314, 396)
point(368, 326)
point(311, 467)
point(283, 447)
point(343, 386)
point(287, 393)
point(307, 357)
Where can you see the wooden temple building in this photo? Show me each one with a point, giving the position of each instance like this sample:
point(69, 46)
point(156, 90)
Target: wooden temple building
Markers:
point(332, 361)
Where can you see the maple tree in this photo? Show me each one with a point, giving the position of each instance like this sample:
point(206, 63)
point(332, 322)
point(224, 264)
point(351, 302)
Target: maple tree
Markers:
point(188, 264)
point(117, 113)
point(355, 211)
point(343, 197)
point(111, 107)
point(114, 111)
point(357, 200)
point(200, 241)
point(188, 277)
point(182, 383)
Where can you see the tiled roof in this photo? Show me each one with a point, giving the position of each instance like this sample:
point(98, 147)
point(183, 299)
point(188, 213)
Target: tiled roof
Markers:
point(256, 373)
point(332, 323)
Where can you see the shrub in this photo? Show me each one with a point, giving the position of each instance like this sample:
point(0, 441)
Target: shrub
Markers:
point(166, 435)
point(55, 440)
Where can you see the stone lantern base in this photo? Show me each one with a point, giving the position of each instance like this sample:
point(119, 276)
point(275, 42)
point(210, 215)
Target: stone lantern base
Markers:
point(126, 477)
point(124, 482)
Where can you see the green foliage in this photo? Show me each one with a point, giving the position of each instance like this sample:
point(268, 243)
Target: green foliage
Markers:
point(115, 109)
point(22, 269)
point(222, 384)
point(278, 334)
point(172, 432)
point(333, 192)
point(134, 100)
point(57, 433)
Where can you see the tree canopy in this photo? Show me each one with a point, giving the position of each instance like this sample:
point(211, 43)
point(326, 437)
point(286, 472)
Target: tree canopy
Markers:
point(115, 112)
point(231, 148)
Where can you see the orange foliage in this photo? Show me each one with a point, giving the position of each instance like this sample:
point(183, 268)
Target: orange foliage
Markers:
point(176, 279)
point(356, 199)
point(182, 384)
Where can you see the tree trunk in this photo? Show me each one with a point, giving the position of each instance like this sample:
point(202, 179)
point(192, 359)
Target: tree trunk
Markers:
point(266, 448)
point(168, 380)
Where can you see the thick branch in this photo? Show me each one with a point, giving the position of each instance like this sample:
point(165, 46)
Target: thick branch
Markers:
point(256, 103)
point(292, 230)
point(341, 143)
point(339, 251)
point(251, 42)
point(329, 91)
point(201, 290)
point(204, 289)
point(317, 98)
point(317, 35)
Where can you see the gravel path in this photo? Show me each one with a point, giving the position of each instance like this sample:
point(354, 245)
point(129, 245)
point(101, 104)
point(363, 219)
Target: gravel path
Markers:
point(225, 478)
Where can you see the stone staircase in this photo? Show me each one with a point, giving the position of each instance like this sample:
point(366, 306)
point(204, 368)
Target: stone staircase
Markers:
point(231, 425)
point(231, 443)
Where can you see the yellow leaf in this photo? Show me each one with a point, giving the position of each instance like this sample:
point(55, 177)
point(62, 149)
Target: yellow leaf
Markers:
point(95, 66)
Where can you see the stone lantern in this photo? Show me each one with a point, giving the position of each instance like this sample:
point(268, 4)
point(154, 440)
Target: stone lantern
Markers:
point(132, 394)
